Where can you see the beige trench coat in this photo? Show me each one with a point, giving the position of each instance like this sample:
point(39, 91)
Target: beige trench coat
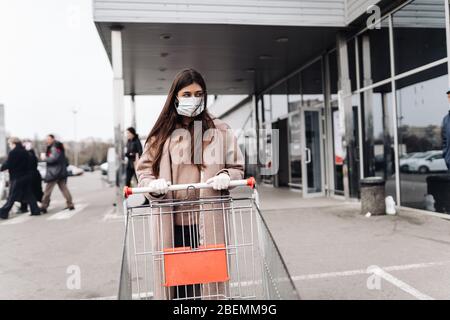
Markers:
point(220, 154)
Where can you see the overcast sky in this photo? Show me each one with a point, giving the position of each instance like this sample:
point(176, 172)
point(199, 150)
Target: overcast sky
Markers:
point(52, 61)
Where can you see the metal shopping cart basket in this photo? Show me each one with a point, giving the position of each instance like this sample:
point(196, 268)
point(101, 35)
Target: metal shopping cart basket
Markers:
point(201, 248)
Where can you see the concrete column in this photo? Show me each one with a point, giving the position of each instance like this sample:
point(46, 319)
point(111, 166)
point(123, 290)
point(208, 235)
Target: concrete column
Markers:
point(329, 156)
point(118, 102)
point(394, 110)
point(349, 171)
point(447, 27)
point(133, 112)
point(368, 108)
point(256, 126)
point(3, 150)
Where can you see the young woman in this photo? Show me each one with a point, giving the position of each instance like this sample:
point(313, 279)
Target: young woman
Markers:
point(188, 145)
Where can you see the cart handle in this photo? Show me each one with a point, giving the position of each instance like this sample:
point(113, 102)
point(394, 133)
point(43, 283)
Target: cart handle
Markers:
point(251, 182)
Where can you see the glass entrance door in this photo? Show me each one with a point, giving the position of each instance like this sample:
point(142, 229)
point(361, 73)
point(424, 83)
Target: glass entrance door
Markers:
point(295, 150)
point(312, 153)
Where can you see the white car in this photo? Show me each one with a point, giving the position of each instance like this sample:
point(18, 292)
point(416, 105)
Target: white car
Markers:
point(433, 162)
point(42, 168)
point(74, 171)
point(409, 158)
point(71, 170)
point(104, 168)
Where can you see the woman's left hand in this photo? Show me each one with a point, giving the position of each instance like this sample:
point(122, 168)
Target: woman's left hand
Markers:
point(220, 182)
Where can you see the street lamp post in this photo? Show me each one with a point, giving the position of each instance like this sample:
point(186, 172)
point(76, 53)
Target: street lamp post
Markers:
point(75, 149)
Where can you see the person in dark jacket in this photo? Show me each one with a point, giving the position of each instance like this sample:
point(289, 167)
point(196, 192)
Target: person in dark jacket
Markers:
point(446, 136)
point(18, 164)
point(134, 147)
point(56, 173)
point(36, 179)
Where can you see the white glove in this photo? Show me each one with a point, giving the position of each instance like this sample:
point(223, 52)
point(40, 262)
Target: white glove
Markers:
point(159, 186)
point(220, 182)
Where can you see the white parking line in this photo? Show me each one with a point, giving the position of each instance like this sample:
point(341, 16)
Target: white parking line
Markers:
point(365, 271)
point(17, 219)
point(381, 272)
point(114, 215)
point(67, 214)
point(400, 284)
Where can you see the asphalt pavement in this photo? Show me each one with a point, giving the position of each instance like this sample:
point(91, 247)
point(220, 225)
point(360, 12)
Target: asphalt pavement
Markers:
point(331, 250)
point(64, 254)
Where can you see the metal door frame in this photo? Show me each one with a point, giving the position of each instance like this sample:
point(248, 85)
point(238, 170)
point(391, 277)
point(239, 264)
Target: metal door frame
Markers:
point(306, 194)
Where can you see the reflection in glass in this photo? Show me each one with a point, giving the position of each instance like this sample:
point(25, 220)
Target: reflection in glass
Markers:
point(422, 105)
point(313, 151)
point(295, 147)
point(279, 101)
point(419, 34)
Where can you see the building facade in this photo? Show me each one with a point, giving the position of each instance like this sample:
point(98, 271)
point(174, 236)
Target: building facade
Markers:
point(353, 88)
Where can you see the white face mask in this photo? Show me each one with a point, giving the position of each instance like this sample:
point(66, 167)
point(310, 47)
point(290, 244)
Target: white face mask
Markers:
point(190, 107)
point(28, 146)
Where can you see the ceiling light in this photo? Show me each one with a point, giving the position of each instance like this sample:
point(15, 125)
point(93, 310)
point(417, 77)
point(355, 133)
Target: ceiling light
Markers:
point(282, 40)
point(265, 57)
point(165, 36)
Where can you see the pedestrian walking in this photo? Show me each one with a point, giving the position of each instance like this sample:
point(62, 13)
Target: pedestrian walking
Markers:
point(56, 173)
point(18, 165)
point(134, 151)
point(35, 176)
point(174, 153)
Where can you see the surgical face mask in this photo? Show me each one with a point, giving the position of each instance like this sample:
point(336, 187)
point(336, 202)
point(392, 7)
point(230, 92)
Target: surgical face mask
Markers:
point(27, 146)
point(190, 107)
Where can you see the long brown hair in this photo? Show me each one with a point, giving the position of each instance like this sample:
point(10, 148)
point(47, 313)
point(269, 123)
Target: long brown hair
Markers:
point(169, 118)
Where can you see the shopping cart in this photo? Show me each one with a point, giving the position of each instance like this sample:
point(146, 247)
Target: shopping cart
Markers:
point(201, 247)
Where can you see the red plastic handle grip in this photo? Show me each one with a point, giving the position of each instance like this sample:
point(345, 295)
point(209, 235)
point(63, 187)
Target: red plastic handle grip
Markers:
point(251, 182)
point(127, 191)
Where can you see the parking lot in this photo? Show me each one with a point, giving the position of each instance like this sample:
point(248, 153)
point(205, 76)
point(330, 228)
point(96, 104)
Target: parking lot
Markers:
point(331, 250)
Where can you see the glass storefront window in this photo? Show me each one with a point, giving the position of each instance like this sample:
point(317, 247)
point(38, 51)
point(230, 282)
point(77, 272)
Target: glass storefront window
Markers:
point(312, 86)
point(267, 105)
point(419, 34)
point(422, 104)
point(352, 61)
point(378, 136)
point(295, 150)
point(294, 96)
point(374, 50)
point(279, 101)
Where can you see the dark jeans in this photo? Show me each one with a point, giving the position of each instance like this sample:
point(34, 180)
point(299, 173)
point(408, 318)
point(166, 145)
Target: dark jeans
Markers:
point(20, 190)
point(130, 173)
point(187, 236)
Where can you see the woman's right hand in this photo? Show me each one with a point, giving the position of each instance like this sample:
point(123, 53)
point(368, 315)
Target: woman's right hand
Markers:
point(159, 186)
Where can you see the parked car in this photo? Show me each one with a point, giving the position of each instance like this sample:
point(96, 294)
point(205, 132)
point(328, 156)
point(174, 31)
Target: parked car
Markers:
point(71, 169)
point(42, 168)
point(433, 162)
point(74, 171)
point(87, 168)
point(104, 168)
point(408, 158)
